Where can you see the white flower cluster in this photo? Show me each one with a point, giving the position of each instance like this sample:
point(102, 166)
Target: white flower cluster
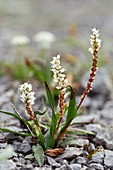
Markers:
point(20, 40)
point(44, 39)
point(59, 76)
point(95, 41)
point(27, 93)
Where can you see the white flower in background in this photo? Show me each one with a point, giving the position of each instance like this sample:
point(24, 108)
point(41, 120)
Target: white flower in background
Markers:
point(44, 39)
point(20, 40)
point(95, 41)
point(27, 95)
point(59, 76)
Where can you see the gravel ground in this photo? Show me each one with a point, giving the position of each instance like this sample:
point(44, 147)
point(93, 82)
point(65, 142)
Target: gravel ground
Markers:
point(85, 153)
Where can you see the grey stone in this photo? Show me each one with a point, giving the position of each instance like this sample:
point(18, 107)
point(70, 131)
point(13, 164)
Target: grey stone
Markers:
point(64, 167)
point(102, 84)
point(46, 167)
point(27, 167)
point(70, 153)
point(96, 166)
point(94, 128)
point(86, 118)
point(25, 147)
point(52, 162)
point(3, 145)
point(83, 168)
point(108, 160)
point(109, 144)
point(98, 157)
point(80, 160)
point(82, 142)
point(22, 160)
point(7, 165)
point(91, 147)
point(16, 145)
point(75, 166)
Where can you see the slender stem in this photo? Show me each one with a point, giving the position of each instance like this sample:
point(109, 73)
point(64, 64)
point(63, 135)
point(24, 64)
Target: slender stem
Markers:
point(16, 111)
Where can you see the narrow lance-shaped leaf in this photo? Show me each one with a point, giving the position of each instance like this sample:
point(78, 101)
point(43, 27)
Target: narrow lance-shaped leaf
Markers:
point(16, 116)
point(38, 154)
point(71, 109)
point(50, 97)
point(51, 102)
point(18, 133)
point(41, 140)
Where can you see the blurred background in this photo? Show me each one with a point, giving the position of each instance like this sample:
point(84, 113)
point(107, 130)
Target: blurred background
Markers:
point(28, 17)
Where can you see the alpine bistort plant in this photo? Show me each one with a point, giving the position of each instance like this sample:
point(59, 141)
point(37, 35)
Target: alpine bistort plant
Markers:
point(50, 135)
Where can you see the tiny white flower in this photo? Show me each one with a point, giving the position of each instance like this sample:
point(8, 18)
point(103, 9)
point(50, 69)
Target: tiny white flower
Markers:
point(27, 93)
point(44, 39)
point(95, 41)
point(59, 76)
point(20, 40)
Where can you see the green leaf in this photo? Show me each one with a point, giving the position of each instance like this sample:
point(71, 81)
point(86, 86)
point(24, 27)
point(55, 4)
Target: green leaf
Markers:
point(38, 154)
point(39, 113)
point(71, 109)
point(16, 116)
point(80, 132)
point(51, 102)
point(17, 133)
point(50, 97)
point(41, 140)
point(49, 140)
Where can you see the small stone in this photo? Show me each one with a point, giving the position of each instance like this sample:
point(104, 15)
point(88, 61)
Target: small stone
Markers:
point(25, 148)
point(98, 157)
point(75, 166)
point(3, 145)
point(96, 166)
point(8, 164)
point(46, 167)
point(109, 144)
point(16, 145)
point(91, 147)
point(94, 128)
point(84, 168)
point(52, 162)
point(64, 167)
point(27, 167)
point(81, 142)
point(22, 160)
point(108, 160)
point(70, 153)
point(90, 168)
point(80, 160)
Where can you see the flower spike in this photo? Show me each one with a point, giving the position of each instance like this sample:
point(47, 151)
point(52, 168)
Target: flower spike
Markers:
point(95, 45)
point(59, 76)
